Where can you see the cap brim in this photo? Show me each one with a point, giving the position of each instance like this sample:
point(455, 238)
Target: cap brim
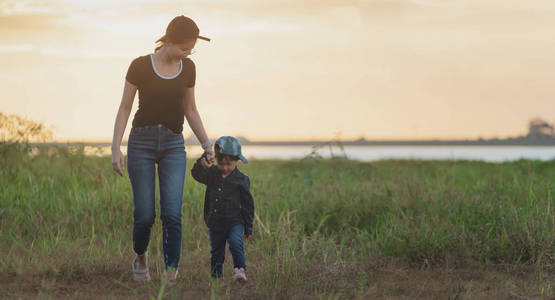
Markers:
point(243, 159)
point(204, 38)
point(200, 37)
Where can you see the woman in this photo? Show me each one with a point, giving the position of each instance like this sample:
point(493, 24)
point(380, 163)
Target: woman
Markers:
point(165, 80)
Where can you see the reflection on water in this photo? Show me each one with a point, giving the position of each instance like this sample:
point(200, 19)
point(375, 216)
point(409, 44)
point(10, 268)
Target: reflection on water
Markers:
point(371, 153)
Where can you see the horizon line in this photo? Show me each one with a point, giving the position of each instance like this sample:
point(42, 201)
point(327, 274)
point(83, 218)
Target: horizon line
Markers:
point(192, 139)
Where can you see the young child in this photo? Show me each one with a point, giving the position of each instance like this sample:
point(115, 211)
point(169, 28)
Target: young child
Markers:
point(228, 205)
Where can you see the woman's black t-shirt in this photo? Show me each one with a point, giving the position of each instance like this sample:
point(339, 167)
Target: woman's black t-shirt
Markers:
point(161, 98)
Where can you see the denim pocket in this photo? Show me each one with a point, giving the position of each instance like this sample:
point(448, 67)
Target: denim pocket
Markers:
point(137, 131)
point(168, 130)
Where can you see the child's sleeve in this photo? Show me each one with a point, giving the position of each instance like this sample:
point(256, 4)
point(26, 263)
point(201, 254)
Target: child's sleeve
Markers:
point(200, 173)
point(206, 209)
point(247, 206)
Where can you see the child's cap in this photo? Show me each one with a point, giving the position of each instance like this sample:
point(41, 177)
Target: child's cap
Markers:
point(231, 146)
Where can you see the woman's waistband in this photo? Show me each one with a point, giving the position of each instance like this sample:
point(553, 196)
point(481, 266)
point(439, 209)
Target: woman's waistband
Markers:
point(153, 127)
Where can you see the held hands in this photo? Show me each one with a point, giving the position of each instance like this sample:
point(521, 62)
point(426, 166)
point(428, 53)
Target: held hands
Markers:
point(208, 157)
point(205, 163)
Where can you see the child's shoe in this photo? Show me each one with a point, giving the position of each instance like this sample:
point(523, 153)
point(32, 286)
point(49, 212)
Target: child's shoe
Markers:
point(239, 274)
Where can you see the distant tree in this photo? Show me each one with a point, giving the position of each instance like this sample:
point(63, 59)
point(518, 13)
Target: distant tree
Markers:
point(16, 129)
point(539, 128)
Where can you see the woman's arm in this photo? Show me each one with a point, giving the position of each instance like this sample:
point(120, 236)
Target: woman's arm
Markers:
point(193, 118)
point(129, 91)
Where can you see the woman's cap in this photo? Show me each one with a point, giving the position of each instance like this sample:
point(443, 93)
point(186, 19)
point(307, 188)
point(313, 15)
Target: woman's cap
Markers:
point(181, 29)
point(231, 146)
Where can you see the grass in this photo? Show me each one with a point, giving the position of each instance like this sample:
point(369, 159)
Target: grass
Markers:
point(324, 229)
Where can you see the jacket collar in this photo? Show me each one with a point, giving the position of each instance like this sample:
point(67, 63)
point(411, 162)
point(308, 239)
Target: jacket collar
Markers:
point(233, 173)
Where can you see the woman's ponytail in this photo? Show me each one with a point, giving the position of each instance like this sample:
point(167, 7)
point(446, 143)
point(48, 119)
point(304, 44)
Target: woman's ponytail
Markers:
point(160, 42)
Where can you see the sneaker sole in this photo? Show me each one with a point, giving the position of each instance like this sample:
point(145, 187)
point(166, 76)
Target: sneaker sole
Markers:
point(141, 278)
point(239, 279)
point(140, 275)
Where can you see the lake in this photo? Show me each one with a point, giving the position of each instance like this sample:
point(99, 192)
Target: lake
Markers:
point(372, 153)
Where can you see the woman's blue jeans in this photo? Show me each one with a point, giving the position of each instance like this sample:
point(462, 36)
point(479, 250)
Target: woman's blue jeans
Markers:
point(146, 147)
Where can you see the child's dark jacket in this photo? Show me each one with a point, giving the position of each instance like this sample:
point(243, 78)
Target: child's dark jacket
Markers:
point(227, 201)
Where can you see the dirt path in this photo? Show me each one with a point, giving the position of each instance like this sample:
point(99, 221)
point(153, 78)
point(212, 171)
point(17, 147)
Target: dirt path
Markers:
point(389, 283)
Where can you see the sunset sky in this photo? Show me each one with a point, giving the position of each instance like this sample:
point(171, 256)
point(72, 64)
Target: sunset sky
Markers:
point(292, 69)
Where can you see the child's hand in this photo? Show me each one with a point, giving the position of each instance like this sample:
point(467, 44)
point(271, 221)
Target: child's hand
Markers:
point(210, 155)
point(205, 163)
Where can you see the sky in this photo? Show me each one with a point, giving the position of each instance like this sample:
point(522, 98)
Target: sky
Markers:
point(292, 69)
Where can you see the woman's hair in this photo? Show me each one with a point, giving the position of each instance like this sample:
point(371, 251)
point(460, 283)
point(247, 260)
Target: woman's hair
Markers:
point(160, 43)
point(220, 156)
point(180, 29)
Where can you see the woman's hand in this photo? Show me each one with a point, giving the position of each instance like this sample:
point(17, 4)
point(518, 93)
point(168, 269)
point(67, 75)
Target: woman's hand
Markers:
point(117, 161)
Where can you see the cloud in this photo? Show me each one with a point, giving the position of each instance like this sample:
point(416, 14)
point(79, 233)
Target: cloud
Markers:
point(46, 50)
point(28, 22)
point(441, 3)
point(16, 7)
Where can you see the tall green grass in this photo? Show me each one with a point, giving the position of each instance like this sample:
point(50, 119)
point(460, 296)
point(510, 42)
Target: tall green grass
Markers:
point(64, 210)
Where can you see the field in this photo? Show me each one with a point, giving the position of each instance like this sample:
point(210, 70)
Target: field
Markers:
point(325, 229)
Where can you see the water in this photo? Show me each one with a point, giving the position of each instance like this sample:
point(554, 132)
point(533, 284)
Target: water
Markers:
point(372, 153)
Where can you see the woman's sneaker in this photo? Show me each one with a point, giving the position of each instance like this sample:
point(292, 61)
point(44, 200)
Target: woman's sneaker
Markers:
point(141, 275)
point(239, 274)
point(171, 277)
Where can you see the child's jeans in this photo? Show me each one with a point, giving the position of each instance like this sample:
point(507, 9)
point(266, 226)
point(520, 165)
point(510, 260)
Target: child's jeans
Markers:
point(147, 146)
point(234, 237)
